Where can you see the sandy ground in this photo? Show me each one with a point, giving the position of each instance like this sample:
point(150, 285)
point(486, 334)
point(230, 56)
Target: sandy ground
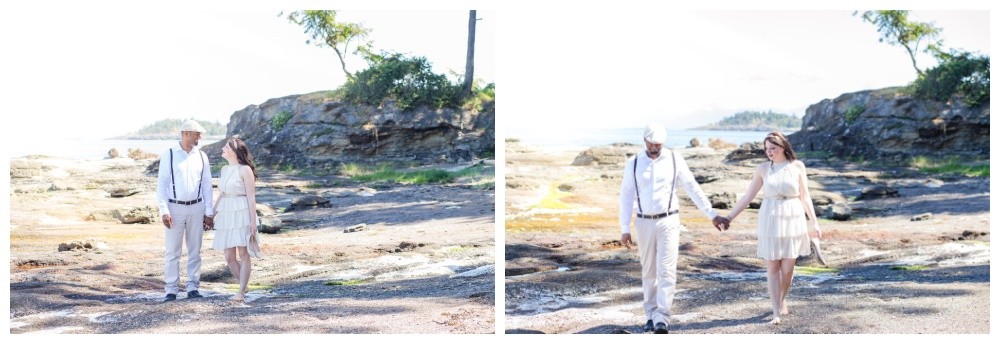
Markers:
point(423, 264)
point(566, 271)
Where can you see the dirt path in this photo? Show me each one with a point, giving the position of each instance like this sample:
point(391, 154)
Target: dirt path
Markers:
point(567, 273)
point(423, 263)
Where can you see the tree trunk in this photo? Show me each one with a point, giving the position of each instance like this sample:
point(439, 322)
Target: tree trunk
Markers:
point(470, 52)
point(913, 59)
point(343, 65)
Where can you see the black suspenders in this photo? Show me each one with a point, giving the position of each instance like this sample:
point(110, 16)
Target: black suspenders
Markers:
point(201, 176)
point(673, 183)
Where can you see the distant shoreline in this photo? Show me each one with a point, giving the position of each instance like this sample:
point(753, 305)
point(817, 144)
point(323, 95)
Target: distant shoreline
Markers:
point(162, 137)
point(745, 128)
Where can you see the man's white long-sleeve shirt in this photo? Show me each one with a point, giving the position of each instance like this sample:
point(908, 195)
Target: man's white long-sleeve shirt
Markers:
point(655, 184)
point(189, 169)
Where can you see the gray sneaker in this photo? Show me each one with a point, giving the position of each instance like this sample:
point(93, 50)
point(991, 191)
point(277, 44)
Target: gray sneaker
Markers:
point(170, 297)
point(193, 294)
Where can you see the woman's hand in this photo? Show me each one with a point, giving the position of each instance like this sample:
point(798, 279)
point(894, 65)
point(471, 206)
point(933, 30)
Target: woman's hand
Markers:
point(818, 233)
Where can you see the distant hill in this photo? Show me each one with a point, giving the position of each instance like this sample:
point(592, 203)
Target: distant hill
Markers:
point(171, 129)
point(756, 121)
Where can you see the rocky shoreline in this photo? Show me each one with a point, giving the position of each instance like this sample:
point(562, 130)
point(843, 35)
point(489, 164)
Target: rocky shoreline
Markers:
point(913, 251)
point(342, 256)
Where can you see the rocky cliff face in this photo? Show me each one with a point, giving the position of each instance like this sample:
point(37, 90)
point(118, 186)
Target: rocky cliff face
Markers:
point(324, 133)
point(886, 124)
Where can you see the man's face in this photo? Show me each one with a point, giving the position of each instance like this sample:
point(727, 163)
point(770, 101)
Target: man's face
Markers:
point(653, 148)
point(192, 137)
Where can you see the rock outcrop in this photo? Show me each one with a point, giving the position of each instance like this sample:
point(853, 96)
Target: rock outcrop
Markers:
point(312, 130)
point(890, 125)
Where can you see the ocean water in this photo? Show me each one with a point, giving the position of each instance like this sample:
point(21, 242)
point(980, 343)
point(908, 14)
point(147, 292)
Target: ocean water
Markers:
point(583, 139)
point(91, 149)
point(568, 140)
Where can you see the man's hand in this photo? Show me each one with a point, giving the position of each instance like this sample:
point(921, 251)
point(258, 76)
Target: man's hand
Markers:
point(209, 223)
point(167, 221)
point(627, 240)
point(720, 223)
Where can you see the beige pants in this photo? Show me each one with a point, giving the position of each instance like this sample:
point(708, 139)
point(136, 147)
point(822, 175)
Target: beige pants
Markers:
point(657, 241)
point(187, 228)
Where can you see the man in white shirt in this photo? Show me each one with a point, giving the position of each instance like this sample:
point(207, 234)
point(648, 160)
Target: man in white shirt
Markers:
point(648, 191)
point(184, 196)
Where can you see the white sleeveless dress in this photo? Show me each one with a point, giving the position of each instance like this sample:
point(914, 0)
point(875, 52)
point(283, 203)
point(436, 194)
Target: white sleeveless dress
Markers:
point(781, 225)
point(232, 218)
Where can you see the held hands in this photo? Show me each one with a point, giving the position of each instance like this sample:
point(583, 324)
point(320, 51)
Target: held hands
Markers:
point(721, 223)
point(208, 223)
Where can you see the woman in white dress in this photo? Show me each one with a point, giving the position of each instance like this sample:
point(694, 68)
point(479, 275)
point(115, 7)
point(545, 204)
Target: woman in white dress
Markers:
point(782, 228)
point(236, 212)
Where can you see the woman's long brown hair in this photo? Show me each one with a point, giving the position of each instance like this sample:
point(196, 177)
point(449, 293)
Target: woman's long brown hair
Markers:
point(778, 139)
point(242, 154)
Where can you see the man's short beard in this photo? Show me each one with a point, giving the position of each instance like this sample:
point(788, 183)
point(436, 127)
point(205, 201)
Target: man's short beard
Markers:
point(653, 152)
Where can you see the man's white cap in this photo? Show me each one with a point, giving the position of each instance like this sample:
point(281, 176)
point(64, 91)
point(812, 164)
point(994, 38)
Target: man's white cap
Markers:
point(655, 133)
point(191, 125)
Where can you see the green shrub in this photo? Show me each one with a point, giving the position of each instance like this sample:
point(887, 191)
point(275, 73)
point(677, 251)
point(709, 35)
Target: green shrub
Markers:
point(852, 113)
point(480, 96)
point(407, 80)
point(278, 121)
point(958, 74)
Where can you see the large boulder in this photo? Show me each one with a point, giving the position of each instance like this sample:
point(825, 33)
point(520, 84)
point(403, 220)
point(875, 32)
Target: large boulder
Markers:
point(309, 202)
point(269, 225)
point(751, 152)
point(610, 155)
point(889, 124)
point(145, 214)
point(321, 132)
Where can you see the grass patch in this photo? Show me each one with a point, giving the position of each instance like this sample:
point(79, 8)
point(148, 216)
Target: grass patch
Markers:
point(344, 282)
point(455, 249)
point(386, 173)
point(562, 223)
point(909, 267)
point(814, 270)
point(485, 185)
point(250, 287)
point(951, 165)
point(320, 97)
point(814, 155)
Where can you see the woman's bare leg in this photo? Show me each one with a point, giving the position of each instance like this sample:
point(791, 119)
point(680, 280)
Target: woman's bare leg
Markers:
point(231, 262)
point(774, 288)
point(245, 267)
point(787, 272)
